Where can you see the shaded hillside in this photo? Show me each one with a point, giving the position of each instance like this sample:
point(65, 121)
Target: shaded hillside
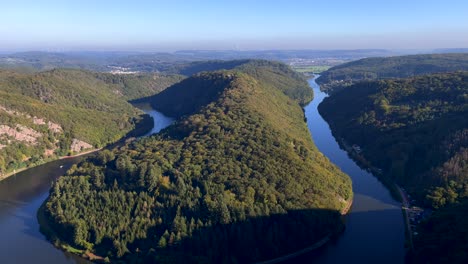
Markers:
point(136, 86)
point(179, 100)
point(444, 237)
point(54, 113)
point(236, 179)
point(346, 74)
point(416, 131)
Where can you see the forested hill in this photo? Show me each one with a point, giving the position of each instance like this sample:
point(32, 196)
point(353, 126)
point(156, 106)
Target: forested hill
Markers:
point(179, 100)
point(346, 74)
point(416, 131)
point(236, 179)
point(58, 112)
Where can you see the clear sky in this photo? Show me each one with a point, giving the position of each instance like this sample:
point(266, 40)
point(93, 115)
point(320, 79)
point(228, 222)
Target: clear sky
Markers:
point(153, 25)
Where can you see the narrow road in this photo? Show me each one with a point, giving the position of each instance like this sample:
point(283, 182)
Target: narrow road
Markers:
point(405, 207)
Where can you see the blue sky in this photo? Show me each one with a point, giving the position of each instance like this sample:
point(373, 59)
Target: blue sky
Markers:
point(237, 24)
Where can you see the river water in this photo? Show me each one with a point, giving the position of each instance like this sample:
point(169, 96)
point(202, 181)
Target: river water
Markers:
point(374, 233)
point(20, 198)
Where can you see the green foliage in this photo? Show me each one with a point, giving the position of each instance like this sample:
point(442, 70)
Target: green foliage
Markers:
point(137, 86)
point(311, 69)
point(177, 101)
point(237, 178)
point(88, 106)
point(444, 237)
point(346, 74)
point(416, 130)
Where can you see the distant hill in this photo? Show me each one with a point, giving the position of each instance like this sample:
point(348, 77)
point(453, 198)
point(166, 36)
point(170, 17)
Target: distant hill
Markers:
point(271, 73)
point(54, 113)
point(416, 130)
point(344, 75)
point(176, 62)
point(136, 86)
point(236, 178)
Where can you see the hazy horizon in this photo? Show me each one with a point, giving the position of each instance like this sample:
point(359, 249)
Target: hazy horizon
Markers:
point(160, 26)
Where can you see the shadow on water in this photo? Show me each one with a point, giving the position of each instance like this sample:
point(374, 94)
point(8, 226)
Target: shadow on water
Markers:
point(374, 227)
point(360, 242)
point(269, 238)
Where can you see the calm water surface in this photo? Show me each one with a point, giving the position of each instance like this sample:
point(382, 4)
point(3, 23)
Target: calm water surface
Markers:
point(374, 227)
point(374, 233)
point(20, 198)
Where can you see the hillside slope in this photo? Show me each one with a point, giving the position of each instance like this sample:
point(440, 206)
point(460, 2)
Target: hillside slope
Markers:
point(237, 178)
point(416, 131)
point(346, 74)
point(179, 100)
point(54, 113)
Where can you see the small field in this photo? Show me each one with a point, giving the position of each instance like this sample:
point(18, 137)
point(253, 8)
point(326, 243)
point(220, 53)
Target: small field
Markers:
point(311, 69)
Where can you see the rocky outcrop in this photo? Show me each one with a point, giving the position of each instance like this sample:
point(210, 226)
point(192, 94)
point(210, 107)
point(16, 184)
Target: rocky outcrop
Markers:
point(20, 133)
point(54, 127)
point(38, 121)
point(78, 145)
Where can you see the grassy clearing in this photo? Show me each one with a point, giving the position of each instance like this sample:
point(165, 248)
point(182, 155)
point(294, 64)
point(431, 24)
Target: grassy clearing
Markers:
point(311, 69)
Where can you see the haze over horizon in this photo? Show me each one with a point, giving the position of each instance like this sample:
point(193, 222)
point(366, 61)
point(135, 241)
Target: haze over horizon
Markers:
point(145, 25)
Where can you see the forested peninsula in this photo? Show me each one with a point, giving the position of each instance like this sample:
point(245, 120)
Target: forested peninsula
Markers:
point(236, 178)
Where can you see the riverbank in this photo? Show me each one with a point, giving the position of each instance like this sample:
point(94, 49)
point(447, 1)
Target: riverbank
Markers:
point(2, 177)
point(405, 207)
point(322, 242)
point(364, 164)
point(141, 128)
point(397, 192)
point(315, 246)
point(47, 230)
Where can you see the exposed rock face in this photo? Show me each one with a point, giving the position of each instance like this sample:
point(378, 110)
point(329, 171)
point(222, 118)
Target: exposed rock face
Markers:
point(11, 112)
point(49, 152)
point(56, 128)
point(117, 92)
point(38, 121)
point(78, 145)
point(21, 133)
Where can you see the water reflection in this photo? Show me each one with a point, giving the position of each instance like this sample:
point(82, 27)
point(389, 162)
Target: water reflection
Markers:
point(20, 197)
point(374, 227)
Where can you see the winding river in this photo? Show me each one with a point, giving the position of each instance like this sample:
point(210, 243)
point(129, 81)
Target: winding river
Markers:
point(20, 198)
point(374, 233)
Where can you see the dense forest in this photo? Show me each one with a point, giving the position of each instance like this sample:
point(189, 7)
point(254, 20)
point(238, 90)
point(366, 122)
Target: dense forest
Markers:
point(271, 73)
point(415, 130)
point(54, 113)
point(444, 237)
point(236, 178)
point(346, 74)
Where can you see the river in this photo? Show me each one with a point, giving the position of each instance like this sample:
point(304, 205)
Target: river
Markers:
point(375, 231)
point(374, 227)
point(20, 198)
